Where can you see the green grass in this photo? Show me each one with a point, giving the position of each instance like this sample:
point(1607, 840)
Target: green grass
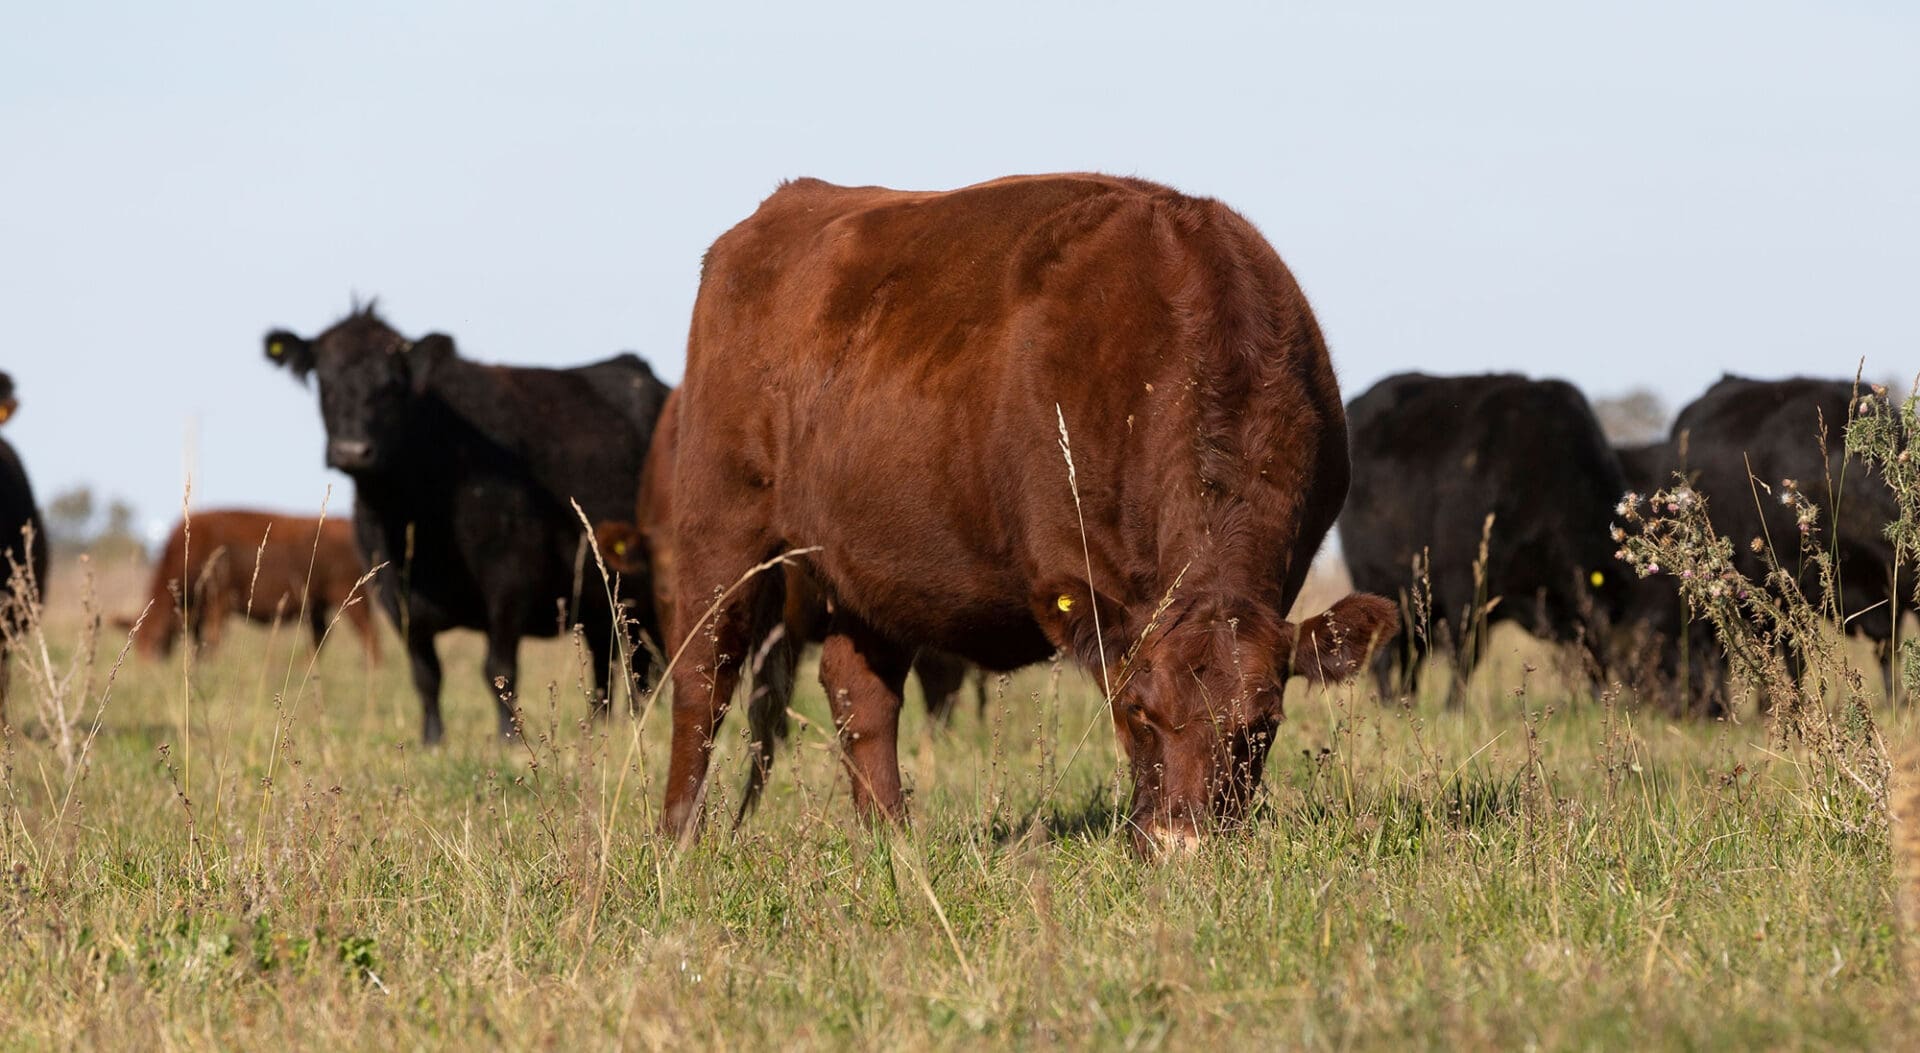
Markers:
point(1530, 870)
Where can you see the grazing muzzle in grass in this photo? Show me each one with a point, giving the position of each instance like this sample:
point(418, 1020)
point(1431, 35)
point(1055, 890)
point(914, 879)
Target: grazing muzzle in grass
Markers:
point(1198, 710)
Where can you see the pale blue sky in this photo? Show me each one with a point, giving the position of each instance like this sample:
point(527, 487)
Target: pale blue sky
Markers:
point(1643, 194)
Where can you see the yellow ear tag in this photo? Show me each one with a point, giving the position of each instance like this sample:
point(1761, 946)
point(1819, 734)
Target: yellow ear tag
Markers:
point(1597, 578)
point(276, 349)
point(619, 548)
point(1065, 602)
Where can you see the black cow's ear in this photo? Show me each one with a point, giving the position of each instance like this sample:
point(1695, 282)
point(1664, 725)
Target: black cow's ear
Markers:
point(286, 349)
point(426, 355)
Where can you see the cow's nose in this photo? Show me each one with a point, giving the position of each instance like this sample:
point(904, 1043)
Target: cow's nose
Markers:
point(1167, 843)
point(349, 454)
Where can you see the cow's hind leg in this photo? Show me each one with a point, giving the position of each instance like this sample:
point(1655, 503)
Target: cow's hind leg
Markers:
point(941, 677)
point(317, 616)
point(705, 675)
point(503, 670)
point(360, 614)
point(598, 633)
point(425, 663)
point(863, 675)
point(1397, 668)
point(776, 658)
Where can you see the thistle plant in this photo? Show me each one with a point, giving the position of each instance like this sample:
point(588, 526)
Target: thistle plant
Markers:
point(1782, 641)
point(1885, 436)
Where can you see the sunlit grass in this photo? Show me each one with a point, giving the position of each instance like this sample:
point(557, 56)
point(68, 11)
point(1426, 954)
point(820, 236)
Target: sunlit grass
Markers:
point(1530, 869)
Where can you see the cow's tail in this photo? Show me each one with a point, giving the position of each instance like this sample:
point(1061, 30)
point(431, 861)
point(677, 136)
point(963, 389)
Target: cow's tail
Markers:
point(771, 674)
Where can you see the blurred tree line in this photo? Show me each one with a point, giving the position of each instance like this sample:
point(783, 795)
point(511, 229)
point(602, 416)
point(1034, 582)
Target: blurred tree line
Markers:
point(1634, 417)
point(76, 522)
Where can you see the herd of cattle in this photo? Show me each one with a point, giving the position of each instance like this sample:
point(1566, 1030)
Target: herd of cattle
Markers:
point(1434, 457)
point(1043, 414)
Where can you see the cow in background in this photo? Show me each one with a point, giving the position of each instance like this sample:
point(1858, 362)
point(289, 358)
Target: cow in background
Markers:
point(264, 567)
point(464, 478)
point(1433, 458)
point(23, 545)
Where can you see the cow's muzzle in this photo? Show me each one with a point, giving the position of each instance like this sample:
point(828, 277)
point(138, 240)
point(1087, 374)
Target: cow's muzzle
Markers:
point(350, 455)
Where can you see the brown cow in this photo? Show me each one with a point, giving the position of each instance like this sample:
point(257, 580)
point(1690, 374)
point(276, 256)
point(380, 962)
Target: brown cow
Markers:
point(213, 566)
point(885, 377)
point(642, 547)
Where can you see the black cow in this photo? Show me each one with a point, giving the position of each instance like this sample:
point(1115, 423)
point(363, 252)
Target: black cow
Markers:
point(1433, 457)
point(23, 543)
point(463, 474)
point(1773, 429)
point(1648, 466)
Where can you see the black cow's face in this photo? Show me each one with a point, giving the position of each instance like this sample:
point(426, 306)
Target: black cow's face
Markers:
point(370, 377)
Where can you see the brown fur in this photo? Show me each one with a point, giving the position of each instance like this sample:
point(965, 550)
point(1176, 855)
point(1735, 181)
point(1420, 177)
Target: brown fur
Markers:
point(876, 373)
point(644, 546)
point(213, 567)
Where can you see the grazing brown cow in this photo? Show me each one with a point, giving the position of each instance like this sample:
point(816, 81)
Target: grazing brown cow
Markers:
point(642, 548)
point(213, 566)
point(884, 377)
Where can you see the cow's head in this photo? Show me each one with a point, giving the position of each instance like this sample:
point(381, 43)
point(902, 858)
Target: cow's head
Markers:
point(153, 633)
point(370, 376)
point(621, 545)
point(8, 404)
point(1199, 705)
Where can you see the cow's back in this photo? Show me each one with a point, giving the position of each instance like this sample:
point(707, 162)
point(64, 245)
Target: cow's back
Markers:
point(575, 434)
point(252, 562)
point(1778, 430)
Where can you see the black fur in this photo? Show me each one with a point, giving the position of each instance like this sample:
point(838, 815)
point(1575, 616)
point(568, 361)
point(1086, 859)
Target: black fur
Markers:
point(19, 519)
point(463, 475)
point(1432, 456)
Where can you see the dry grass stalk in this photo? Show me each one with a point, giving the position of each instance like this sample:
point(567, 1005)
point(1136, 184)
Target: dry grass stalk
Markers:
point(1904, 805)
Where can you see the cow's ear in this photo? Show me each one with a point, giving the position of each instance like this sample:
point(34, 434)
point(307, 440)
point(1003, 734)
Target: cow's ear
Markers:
point(621, 545)
point(1333, 645)
point(286, 349)
point(426, 355)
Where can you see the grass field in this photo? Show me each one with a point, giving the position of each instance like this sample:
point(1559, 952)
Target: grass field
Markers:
point(258, 854)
